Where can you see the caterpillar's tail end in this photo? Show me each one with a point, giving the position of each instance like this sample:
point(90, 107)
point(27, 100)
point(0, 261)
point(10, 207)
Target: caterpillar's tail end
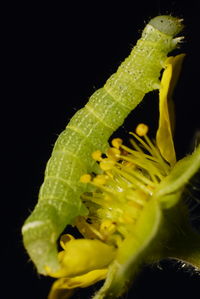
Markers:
point(40, 242)
point(43, 254)
point(40, 233)
point(167, 24)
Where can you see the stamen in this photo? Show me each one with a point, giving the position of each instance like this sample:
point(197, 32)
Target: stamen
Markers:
point(134, 200)
point(138, 153)
point(93, 198)
point(86, 228)
point(97, 155)
point(85, 178)
point(133, 180)
point(142, 178)
point(142, 130)
point(103, 188)
point(99, 179)
point(107, 164)
point(64, 239)
point(126, 218)
point(107, 227)
point(134, 144)
point(151, 168)
point(117, 142)
point(143, 143)
point(113, 153)
point(155, 152)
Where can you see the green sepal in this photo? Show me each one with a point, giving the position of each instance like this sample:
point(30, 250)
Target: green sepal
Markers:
point(169, 190)
point(131, 253)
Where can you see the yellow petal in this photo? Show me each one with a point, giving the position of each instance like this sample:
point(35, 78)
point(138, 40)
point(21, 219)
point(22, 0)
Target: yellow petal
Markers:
point(81, 256)
point(164, 136)
point(64, 285)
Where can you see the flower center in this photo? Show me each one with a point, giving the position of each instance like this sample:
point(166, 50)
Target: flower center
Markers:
point(127, 180)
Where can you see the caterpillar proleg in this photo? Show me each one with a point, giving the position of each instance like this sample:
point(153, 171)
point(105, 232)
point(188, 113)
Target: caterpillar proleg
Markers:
point(88, 130)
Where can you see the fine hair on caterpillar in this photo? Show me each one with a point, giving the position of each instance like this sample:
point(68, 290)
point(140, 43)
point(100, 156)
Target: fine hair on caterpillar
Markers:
point(89, 130)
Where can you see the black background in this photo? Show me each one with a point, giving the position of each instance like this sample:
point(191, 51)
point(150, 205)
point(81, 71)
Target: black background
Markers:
point(56, 55)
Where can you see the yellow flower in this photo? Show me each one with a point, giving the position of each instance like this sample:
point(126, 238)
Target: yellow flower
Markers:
point(83, 262)
point(131, 207)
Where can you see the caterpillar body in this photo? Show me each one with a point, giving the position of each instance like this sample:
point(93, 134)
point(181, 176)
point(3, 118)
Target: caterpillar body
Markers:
point(88, 130)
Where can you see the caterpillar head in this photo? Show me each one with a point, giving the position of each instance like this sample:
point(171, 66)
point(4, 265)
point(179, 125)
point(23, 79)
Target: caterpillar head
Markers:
point(167, 24)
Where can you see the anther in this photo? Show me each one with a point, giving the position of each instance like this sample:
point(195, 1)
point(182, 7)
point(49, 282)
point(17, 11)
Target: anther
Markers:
point(99, 179)
point(107, 164)
point(107, 227)
point(113, 153)
point(116, 142)
point(85, 178)
point(97, 155)
point(141, 130)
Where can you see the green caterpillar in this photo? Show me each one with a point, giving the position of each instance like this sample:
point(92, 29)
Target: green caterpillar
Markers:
point(89, 129)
